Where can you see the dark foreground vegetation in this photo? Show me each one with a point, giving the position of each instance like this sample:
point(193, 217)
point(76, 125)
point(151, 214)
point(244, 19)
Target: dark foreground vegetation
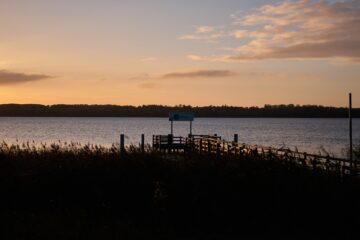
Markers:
point(67, 191)
point(305, 111)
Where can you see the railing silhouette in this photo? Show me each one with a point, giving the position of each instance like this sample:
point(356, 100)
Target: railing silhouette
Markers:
point(169, 142)
point(214, 145)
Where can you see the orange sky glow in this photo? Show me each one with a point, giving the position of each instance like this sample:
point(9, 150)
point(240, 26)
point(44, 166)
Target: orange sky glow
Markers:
point(242, 53)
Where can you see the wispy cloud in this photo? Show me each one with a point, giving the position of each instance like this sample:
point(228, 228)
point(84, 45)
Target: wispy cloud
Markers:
point(213, 58)
point(296, 30)
point(142, 76)
point(199, 74)
point(240, 33)
point(10, 78)
point(148, 59)
point(207, 37)
point(205, 29)
point(207, 33)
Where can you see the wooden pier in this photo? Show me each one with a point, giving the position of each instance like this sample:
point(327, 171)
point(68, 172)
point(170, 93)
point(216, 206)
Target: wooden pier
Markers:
point(214, 145)
point(170, 143)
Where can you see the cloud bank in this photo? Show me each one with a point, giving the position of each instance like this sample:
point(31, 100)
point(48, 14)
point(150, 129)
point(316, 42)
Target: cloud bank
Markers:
point(199, 74)
point(10, 78)
point(295, 30)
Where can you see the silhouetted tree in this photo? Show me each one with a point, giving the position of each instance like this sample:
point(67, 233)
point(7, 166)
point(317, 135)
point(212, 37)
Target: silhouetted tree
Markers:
point(61, 110)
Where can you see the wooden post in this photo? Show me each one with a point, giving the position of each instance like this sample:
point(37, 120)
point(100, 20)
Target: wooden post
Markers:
point(236, 138)
point(190, 128)
point(142, 142)
point(122, 143)
point(350, 132)
point(170, 139)
point(172, 127)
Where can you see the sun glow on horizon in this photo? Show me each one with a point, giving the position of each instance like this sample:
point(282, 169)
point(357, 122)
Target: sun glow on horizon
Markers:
point(247, 53)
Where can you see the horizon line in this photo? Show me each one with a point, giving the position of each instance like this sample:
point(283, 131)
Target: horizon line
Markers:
point(179, 105)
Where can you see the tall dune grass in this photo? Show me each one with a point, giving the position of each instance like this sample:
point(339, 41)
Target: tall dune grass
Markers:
point(71, 191)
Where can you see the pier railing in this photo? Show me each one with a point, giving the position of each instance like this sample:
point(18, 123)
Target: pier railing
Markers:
point(207, 144)
point(169, 142)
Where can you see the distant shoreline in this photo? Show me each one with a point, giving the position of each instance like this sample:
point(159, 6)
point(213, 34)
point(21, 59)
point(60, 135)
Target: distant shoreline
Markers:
point(167, 117)
point(156, 111)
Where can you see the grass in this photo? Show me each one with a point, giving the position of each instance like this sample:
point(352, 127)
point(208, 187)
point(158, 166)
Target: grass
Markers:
point(70, 191)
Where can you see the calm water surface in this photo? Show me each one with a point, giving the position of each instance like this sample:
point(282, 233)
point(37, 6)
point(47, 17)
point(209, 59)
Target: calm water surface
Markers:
point(306, 134)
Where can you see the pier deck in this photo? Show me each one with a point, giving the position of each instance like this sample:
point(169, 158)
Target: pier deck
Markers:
point(212, 144)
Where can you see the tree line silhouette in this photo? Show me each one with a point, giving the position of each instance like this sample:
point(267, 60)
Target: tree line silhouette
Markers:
point(62, 110)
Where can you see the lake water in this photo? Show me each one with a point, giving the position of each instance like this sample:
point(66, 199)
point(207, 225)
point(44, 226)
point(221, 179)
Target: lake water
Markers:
point(305, 134)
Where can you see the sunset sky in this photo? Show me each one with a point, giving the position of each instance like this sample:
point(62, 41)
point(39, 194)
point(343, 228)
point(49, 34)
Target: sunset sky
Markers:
point(197, 52)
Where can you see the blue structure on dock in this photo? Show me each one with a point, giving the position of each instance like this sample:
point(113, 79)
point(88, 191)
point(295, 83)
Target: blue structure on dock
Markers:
point(170, 142)
point(181, 116)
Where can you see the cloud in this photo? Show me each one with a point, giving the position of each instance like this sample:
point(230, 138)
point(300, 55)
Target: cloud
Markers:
point(142, 76)
point(206, 33)
point(148, 59)
point(240, 34)
point(194, 57)
point(205, 29)
point(302, 29)
point(208, 37)
point(10, 78)
point(329, 49)
point(213, 58)
point(199, 74)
